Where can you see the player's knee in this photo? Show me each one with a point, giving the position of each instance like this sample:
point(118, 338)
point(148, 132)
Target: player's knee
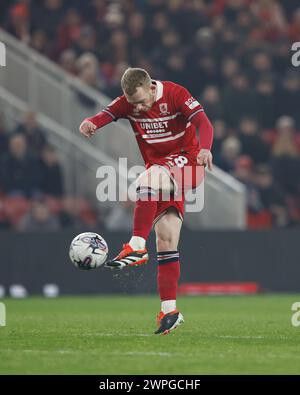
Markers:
point(152, 178)
point(143, 182)
point(145, 193)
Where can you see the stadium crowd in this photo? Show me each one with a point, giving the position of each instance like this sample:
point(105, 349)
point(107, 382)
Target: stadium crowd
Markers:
point(233, 55)
point(32, 194)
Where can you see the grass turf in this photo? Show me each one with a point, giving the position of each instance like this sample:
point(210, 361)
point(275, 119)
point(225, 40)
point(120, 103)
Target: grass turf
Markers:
point(114, 335)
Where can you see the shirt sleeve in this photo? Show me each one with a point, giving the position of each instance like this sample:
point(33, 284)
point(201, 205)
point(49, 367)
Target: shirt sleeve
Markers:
point(117, 108)
point(101, 119)
point(206, 131)
point(186, 103)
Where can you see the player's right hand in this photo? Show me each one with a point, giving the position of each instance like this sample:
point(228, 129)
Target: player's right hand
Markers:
point(87, 128)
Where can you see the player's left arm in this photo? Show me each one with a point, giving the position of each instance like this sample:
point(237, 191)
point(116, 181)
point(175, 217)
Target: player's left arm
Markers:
point(194, 113)
point(203, 124)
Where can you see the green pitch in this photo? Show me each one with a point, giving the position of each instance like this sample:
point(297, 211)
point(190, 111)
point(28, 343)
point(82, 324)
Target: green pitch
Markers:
point(114, 335)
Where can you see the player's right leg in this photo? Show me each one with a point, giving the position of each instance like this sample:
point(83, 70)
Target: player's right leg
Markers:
point(148, 185)
point(167, 231)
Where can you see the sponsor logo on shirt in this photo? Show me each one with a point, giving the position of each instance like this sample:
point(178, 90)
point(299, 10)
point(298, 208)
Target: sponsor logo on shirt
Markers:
point(154, 127)
point(192, 103)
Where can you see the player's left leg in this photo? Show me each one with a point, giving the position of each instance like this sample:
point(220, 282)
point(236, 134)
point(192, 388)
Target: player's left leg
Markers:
point(167, 231)
point(149, 185)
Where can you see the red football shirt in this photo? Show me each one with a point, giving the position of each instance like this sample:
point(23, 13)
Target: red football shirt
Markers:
point(166, 128)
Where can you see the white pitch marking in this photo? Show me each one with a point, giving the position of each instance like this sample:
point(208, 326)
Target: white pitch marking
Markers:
point(150, 353)
point(241, 337)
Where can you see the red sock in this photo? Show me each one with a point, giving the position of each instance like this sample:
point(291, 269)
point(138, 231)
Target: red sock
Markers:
point(168, 273)
point(144, 212)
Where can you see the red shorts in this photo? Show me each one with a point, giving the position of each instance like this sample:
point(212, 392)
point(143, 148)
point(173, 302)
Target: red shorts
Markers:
point(185, 173)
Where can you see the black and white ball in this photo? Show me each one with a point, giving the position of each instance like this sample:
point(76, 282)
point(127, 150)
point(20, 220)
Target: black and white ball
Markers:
point(88, 251)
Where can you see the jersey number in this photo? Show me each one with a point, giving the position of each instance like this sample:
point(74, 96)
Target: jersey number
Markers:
point(181, 161)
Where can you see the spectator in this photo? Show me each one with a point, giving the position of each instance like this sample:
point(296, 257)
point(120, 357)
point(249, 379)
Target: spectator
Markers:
point(282, 56)
point(245, 23)
point(220, 133)
point(211, 101)
point(252, 144)
point(19, 174)
point(229, 68)
point(136, 30)
point(205, 41)
point(266, 102)
point(69, 30)
point(289, 96)
point(227, 43)
point(67, 61)
point(69, 216)
point(271, 195)
point(294, 28)
point(170, 43)
point(272, 19)
point(35, 137)
point(175, 66)
point(88, 67)
point(243, 171)
point(205, 73)
point(86, 41)
point(48, 16)
point(51, 180)
point(261, 65)
point(230, 150)
point(160, 24)
point(18, 22)
point(239, 100)
point(119, 47)
point(285, 158)
point(40, 42)
point(39, 219)
point(232, 9)
point(113, 89)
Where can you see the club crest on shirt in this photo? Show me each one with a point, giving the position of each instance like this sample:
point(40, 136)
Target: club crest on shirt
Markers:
point(163, 108)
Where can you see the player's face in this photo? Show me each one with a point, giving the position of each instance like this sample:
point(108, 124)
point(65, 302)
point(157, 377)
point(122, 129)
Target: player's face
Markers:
point(143, 98)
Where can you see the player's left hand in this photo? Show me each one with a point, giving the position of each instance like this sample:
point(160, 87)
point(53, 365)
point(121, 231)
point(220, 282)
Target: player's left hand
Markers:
point(204, 158)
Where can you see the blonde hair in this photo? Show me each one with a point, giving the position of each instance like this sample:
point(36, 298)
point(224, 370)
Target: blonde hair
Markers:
point(134, 78)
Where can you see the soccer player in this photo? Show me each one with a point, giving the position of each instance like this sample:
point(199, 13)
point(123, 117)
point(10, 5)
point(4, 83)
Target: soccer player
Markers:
point(164, 117)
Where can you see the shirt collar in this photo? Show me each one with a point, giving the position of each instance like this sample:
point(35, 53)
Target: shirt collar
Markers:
point(159, 90)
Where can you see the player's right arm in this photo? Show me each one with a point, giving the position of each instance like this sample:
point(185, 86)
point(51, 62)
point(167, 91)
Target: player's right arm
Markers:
point(117, 109)
point(89, 126)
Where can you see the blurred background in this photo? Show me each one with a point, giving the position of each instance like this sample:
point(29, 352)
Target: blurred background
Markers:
point(64, 60)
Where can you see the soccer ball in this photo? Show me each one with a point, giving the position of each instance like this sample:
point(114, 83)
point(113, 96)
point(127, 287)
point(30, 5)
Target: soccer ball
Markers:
point(88, 251)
